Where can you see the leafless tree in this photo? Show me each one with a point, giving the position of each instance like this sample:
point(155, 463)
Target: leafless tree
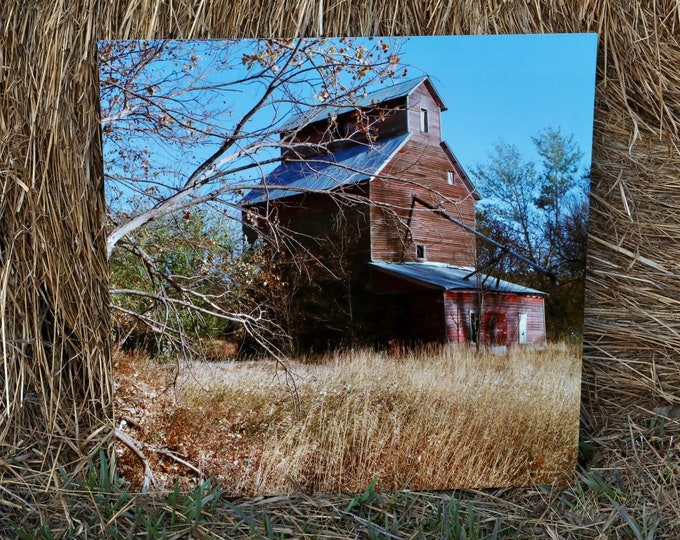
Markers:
point(193, 125)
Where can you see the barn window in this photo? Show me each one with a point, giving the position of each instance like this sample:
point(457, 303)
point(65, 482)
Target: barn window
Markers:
point(420, 251)
point(424, 121)
point(450, 178)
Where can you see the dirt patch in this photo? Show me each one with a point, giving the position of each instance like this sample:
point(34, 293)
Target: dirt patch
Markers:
point(184, 413)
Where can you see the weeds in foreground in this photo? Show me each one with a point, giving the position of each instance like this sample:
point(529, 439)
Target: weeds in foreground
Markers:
point(102, 507)
point(629, 491)
point(589, 507)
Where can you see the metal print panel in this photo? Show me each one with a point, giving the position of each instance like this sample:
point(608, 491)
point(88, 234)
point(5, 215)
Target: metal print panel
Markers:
point(348, 262)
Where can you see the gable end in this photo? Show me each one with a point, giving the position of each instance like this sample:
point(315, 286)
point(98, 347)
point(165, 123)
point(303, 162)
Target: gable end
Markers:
point(458, 168)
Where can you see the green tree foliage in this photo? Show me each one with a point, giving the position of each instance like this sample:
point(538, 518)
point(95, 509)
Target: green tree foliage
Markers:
point(512, 186)
point(185, 277)
point(561, 189)
point(540, 212)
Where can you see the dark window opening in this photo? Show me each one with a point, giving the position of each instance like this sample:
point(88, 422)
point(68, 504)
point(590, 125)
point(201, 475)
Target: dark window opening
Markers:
point(474, 327)
point(420, 251)
point(424, 121)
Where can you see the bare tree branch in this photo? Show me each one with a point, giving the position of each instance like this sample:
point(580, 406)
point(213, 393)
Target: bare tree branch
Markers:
point(187, 125)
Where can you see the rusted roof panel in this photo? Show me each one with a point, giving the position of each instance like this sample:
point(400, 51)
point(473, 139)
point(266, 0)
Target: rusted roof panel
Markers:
point(327, 172)
point(450, 278)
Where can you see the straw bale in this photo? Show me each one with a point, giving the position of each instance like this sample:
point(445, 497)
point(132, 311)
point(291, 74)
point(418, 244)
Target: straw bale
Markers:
point(56, 373)
point(53, 301)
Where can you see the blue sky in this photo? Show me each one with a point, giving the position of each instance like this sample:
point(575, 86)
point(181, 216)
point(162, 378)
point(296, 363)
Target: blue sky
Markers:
point(508, 88)
point(497, 88)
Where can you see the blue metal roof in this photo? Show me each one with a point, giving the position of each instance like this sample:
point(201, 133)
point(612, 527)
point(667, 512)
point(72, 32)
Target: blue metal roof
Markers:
point(323, 173)
point(381, 95)
point(450, 278)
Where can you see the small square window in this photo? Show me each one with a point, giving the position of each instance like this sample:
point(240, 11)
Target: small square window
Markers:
point(424, 121)
point(450, 178)
point(420, 251)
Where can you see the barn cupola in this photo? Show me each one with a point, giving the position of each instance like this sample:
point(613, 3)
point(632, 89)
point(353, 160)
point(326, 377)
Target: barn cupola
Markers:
point(409, 106)
point(424, 106)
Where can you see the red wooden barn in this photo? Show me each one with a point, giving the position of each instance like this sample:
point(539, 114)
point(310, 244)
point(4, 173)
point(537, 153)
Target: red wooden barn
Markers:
point(365, 189)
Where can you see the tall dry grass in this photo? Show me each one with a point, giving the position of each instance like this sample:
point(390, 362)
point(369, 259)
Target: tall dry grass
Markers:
point(434, 419)
point(438, 419)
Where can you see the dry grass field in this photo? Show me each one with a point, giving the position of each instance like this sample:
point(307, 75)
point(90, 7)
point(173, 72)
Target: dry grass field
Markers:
point(432, 419)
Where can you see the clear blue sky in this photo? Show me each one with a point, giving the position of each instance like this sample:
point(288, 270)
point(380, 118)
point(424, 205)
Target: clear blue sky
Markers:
point(497, 88)
point(508, 88)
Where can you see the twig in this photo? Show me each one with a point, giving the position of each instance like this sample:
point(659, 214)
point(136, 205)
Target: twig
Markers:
point(174, 456)
point(136, 447)
point(15, 496)
point(132, 445)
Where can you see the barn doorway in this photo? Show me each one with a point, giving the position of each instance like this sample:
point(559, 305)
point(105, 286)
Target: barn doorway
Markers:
point(474, 327)
point(496, 329)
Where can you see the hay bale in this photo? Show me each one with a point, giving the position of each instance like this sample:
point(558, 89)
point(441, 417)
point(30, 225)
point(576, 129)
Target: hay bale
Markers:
point(56, 377)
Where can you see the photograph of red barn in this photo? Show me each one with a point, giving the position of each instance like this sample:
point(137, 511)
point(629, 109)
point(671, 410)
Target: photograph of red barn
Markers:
point(406, 309)
point(380, 166)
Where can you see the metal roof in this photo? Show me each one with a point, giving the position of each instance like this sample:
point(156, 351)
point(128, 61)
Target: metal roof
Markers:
point(343, 167)
point(381, 95)
point(450, 278)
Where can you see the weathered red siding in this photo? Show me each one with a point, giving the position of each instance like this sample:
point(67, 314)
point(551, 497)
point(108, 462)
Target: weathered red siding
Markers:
point(315, 219)
point(397, 225)
point(460, 305)
point(385, 120)
point(420, 169)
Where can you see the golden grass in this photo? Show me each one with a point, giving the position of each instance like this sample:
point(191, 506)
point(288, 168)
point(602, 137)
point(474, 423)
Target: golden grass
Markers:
point(439, 420)
point(434, 419)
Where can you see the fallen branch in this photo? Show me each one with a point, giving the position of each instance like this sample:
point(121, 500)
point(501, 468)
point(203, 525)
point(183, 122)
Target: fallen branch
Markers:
point(128, 441)
point(175, 457)
point(136, 448)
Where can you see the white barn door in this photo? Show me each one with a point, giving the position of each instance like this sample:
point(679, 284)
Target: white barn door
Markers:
point(522, 328)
